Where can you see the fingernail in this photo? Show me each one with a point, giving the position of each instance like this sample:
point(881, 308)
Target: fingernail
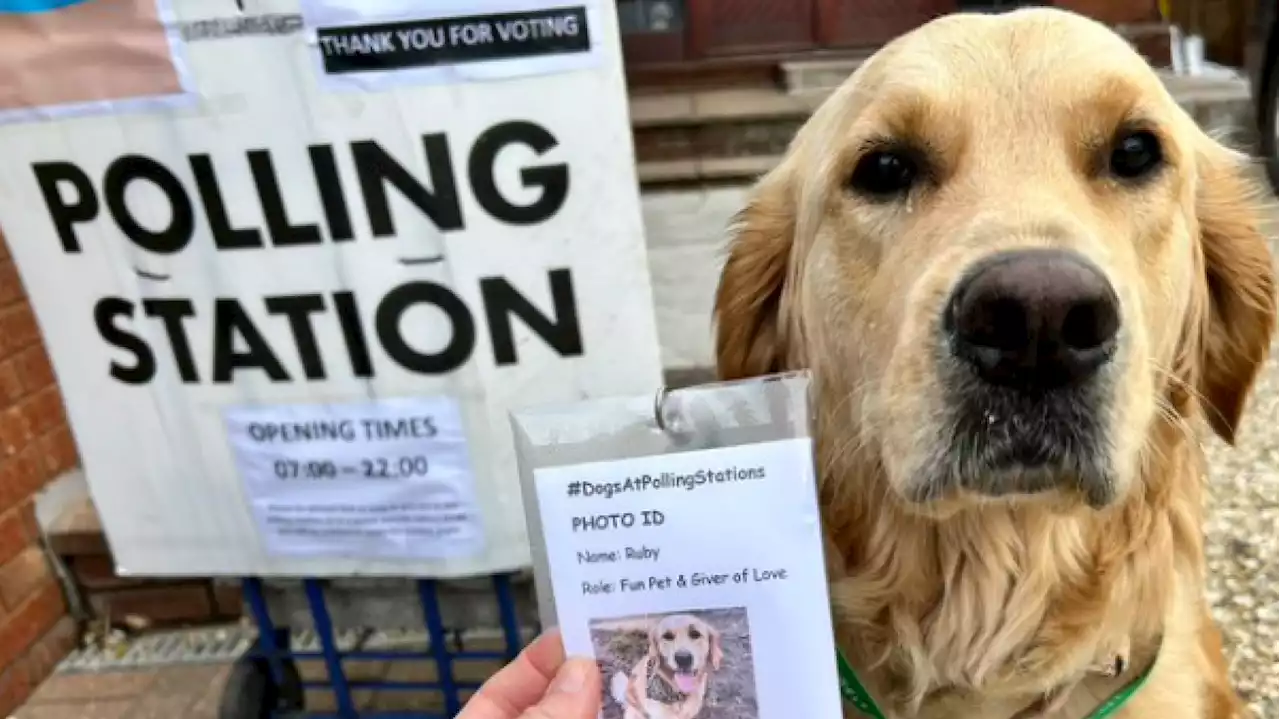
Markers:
point(571, 678)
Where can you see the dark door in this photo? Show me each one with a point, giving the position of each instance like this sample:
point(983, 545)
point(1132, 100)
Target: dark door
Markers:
point(751, 27)
point(721, 28)
point(871, 23)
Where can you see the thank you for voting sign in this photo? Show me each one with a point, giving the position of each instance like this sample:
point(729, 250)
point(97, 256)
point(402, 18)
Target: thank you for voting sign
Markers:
point(294, 267)
point(447, 41)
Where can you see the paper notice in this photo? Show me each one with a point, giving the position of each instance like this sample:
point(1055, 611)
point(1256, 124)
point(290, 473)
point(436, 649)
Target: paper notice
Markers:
point(390, 479)
point(85, 58)
point(370, 45)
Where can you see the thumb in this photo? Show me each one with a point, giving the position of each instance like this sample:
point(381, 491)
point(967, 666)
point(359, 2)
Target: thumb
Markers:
point(574, 693)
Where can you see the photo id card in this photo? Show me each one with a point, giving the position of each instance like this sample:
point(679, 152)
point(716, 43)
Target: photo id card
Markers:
point(696, 580)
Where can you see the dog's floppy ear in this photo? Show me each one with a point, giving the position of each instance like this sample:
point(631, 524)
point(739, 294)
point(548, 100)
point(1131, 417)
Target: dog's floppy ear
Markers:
point(1238, 315)
point(750, 340)
point(717, 651)
point(653, 639)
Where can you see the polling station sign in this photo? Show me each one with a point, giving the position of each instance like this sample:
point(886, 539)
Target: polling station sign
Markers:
point(289, 317)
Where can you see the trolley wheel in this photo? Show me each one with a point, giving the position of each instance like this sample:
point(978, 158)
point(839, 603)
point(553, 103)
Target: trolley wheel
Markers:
point(252, 693)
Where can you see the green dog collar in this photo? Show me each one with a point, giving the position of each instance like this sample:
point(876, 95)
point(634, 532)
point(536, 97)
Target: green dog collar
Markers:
point(853, 691)
point(859, 698)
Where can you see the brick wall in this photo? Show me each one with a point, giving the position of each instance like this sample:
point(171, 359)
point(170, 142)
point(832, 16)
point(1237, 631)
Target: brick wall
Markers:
point(76, 538)
point(35, 446)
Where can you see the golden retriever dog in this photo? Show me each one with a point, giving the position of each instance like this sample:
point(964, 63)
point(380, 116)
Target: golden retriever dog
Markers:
point(1019, 274)
point(670, 682)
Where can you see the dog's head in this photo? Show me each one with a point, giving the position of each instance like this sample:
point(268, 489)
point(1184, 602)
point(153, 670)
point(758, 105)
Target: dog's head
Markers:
point(687, 649)
point(1004, 251)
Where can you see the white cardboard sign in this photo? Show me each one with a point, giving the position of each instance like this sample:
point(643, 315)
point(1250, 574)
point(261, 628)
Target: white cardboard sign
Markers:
point(672, 549)
point(283, 252)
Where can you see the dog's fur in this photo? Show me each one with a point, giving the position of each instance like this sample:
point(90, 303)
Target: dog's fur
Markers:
point(668, 637)
point(976, 607)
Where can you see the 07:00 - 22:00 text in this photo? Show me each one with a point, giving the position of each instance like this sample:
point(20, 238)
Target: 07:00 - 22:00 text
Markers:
point(374, 468)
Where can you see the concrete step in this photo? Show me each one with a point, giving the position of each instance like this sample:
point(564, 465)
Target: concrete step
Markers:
point(813, 74)
point(678, 109)
point(737, 135)
point(803, 77)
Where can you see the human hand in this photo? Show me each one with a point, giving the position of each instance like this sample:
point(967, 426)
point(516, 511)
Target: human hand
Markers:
point(539, 684)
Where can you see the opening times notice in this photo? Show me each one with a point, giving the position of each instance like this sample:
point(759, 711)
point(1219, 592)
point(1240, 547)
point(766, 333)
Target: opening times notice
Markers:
point(384, 479)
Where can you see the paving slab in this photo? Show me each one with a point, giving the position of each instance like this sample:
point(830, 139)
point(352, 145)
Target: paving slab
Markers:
point(182, 692)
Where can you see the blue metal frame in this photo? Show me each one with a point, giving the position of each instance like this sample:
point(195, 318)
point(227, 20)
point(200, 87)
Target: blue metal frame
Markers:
point(273, 646)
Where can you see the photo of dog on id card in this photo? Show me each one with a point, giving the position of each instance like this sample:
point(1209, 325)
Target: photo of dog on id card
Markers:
point(694, 664)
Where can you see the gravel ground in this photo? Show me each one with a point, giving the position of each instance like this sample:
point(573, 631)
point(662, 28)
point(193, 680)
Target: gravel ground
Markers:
point(1241, 534)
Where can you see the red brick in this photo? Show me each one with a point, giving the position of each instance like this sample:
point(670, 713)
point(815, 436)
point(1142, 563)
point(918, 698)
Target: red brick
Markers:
point(13, 491)
point(37, 665)
point(67, 451)
point(10, 284)
point(21, 475)
point(13, 535)
point(44, 411)
point(59, 449)
point(11, 389)
point(20, 629)
point(30, 523)
point(15, 431)
point(161, 604)
point(18, 328)
point(15, 688)
point(50, 649)
point(29, 472)
point(43, 657)
point(33, 368)
point(23, 576)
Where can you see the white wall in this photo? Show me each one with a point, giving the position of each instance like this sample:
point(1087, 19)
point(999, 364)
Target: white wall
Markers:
point(685, 234)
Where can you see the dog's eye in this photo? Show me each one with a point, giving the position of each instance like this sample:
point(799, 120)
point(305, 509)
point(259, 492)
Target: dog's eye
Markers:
point(1135, 154)
point(669, 636)
point(884, 173)
point(695, 634)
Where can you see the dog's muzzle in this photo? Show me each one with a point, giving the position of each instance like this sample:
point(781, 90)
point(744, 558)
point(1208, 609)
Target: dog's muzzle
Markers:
point(1029, 338)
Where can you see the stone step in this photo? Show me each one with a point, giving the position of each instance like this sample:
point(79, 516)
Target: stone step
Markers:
point(731, 105)
point(803, 77)
point(817, 74)
point(737, 135)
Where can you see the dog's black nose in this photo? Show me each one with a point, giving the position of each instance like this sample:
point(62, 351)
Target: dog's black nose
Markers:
point(1035, 319)
point(684, 660)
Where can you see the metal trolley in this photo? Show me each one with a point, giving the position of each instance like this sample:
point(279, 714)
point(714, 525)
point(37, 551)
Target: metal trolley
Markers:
point(451, 649)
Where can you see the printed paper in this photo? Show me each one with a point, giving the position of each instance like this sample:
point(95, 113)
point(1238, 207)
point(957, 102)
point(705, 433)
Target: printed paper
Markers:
point(368, 45)
point(95, 56)
point(696, 580)
point(385, 479)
